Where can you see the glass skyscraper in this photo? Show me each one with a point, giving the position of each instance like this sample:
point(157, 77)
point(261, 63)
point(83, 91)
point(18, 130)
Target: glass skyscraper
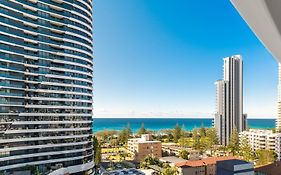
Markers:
point(46, 78)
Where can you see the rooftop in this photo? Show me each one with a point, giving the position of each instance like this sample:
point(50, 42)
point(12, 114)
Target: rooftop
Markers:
point(203, 162)
point(235, 162)
point(271, 169)
point(172, 159)
point(145, 138)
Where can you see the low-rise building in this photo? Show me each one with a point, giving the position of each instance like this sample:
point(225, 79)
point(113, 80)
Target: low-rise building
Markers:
point(144, 146)
point(172, 160)
point(234, 167)
point(172, 149)
point(201, 167)
point(271, 169)
point(263, 139)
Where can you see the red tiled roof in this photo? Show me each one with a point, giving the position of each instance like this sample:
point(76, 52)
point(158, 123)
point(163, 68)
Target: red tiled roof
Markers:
point(207, 161)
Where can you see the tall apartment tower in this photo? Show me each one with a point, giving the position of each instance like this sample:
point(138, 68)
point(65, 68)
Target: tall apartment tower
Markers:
point(229, 100)
point(278, 120)
point(221, 122)
point(46, 71)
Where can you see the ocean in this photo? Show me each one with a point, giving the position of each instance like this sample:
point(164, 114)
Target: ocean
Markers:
point(168, 123)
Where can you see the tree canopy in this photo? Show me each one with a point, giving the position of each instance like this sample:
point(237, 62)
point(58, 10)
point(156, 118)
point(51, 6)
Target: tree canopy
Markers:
point(97, 151)
point(245, 150)
point(150, 160)
point(184, 154)
point(177, 133)
point(142, 130)
point(265, 157)
point(234, 142)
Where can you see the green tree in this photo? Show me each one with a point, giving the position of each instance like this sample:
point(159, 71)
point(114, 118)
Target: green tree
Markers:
point(265, 157)
point(169, 171)
point(177, 133)
point(234, 142)
point(129, 130)
point(150, 160)
point(196, 139)
point(212, 139)
point(184, 154)
point(142, 130)
point(245, 150)
point(124, 135)
point(212, 134)
point(97, 151)
point(202, 131)
point(105, 136)
point(185, 142)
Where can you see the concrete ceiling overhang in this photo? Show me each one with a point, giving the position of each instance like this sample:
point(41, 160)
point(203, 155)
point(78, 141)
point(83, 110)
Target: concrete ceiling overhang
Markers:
point(264, 18)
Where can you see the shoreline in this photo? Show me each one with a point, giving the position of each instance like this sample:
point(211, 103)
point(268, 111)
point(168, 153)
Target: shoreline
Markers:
point(158, 124)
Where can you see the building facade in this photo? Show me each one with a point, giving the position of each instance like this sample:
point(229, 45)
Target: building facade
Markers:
point(144, 146)
point(262, 16)
point(263, 139)
point(271, 169)
point(278, 120)
point(221, 120)
point(229, 100)
point(46, 71)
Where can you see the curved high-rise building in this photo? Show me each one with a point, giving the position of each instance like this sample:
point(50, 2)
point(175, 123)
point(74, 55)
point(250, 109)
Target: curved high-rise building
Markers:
point(263, 17)
point(46, 78)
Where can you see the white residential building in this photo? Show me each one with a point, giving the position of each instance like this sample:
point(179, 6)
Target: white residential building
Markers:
point(144, 146)
point(229, 100)
point(263, 139)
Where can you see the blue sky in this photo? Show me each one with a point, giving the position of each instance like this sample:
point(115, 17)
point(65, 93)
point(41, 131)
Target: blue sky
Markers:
point(162, 57)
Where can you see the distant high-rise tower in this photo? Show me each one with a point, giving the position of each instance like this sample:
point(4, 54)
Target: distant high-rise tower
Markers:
point(278, 121)
point(220, 116)
point(229, 100)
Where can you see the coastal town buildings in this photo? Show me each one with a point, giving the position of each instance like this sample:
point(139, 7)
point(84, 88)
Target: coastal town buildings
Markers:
point(172, 149)
point(46, 78)
point(263, 139)
point(205, 166)
point(144, 146)
point(229, 100)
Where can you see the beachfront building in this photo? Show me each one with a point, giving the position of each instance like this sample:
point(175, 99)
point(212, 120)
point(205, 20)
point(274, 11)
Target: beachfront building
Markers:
point(46, 78)
point(263, 16)
point(144, 146)
point(205, 166)
point(263, 139)
point(229, 100)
